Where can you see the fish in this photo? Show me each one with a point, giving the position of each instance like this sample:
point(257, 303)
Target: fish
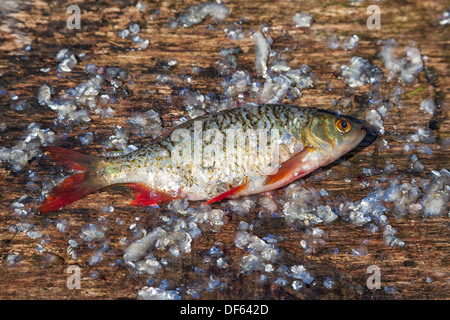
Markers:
point(229, 154)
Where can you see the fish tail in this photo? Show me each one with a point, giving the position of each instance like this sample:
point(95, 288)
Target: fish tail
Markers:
point(76, 186)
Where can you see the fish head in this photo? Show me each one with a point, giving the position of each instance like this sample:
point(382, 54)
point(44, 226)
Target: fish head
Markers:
point(335, 135)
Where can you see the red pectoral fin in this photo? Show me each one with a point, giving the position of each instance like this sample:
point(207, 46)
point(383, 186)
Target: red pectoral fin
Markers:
point(144, 196)
point(228, 194)
point(291, 169)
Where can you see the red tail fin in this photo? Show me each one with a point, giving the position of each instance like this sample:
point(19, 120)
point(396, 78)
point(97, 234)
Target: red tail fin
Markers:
point(76, 186)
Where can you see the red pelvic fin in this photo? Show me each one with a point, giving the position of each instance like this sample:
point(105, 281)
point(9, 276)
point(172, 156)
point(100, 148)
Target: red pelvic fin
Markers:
point(289, 170)
point(227, 194)
point(76, 186)
point(144, 196)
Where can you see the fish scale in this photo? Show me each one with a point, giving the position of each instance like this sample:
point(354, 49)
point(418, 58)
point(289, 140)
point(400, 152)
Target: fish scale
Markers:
point(164, 170)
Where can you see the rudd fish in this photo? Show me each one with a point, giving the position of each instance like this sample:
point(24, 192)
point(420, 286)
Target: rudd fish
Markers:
point(228, 154)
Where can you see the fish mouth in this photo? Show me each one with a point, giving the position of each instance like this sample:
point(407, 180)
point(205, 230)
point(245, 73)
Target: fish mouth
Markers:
point(358, 139)
point(368, 138)
point(362, 134)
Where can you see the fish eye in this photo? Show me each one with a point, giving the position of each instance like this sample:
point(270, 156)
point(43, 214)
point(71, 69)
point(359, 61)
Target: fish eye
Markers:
point(343, 126)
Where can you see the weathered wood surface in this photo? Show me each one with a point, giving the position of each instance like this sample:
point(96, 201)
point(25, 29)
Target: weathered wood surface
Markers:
point(42, 24)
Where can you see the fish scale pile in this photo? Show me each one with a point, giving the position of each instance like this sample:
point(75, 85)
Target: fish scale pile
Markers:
point(273, 80)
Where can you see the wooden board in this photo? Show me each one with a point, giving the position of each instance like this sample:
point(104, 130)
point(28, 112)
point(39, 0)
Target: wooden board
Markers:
point(419, 270)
